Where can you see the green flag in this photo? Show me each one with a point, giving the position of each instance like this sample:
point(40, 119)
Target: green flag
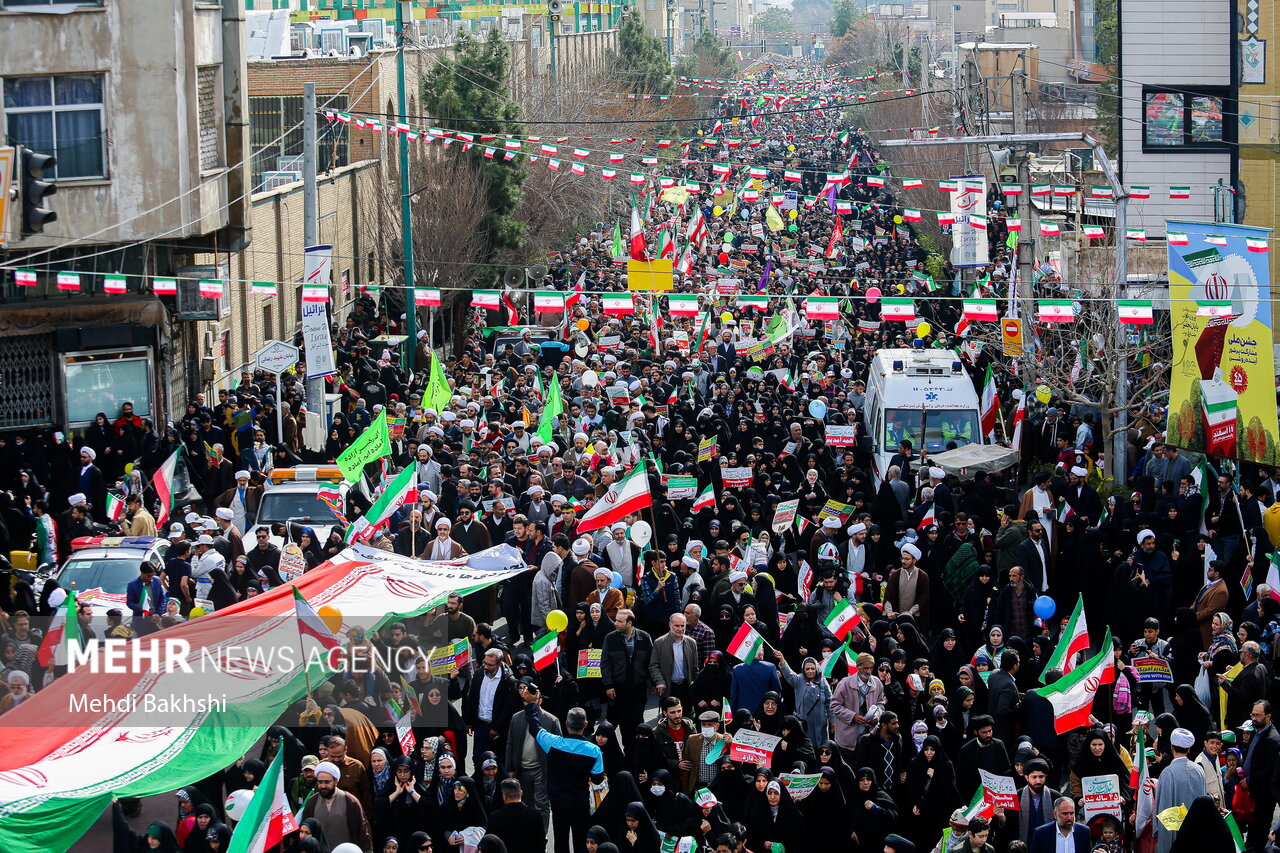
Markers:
point(438, 393)
point(370, 445)
point(553, 408)
point(617, 250)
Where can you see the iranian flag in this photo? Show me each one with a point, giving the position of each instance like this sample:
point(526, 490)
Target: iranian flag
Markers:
point(666, 246)
point(115, 506)
point(315, 293)
point(114, 284)
point(628, 495)
point(1136, 312)
point(1179, 192)
point(682, 304)
point(268, 819)
point(311, 625)
point(1145, 786)
point(822, 307)
point(1019, 415)
point(745, 643)
point(639, 252)
point(930, 517)
point(792, 175)
point(990, 405)
point(912, 183)
point(545, 649)
point(486, 299)
point(704, 335)
point(1259, 245)
point(828, 665)
point(209, 288)
point(1072, 695)
point(910, 214)
point(548, 302)
point(1093, 232)
point(63, 630)
point(162, 482)
point(1050, 229)
point(618, 303)
point(427, 297)
point(897, 309)
point(705, 500)
point(842, 619)
point(980, 309)
point(25, 278)
point(1074, 640)
point(979, 806)
point(1055, 311)
point(392, 497)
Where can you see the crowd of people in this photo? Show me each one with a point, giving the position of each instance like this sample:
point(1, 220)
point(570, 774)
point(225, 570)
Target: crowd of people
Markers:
point(901, 720)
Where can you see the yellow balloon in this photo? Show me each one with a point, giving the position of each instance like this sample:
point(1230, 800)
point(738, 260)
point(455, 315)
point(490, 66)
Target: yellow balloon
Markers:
point(584, 324)
point(725, 317)
point(557, 621)
point(196, 612)
point(923, 330)
point(897, 220)
point(1043, 394)
point(1271, 523)
point(331, 617)
point(791, 148)
point(717, 210)
point(793, 214)
point(128, 467)
point(899, 288)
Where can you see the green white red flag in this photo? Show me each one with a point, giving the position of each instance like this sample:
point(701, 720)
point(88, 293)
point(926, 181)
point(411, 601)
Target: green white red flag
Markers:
point(745, 643)
point(1075, 639)
point(163, 482)
point(268, 818)
point(1072, 695)
point(545, 649)
point(628, 495)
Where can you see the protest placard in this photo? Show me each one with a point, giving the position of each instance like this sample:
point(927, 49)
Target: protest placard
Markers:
point(784, 514)
point(840, 436)
point(1153, 670)
point(799, 785)
point(446, 660)
point(752, 747)
point(1101, 796)
point(1002, 791)
point(680, 487)
point(736, 478)
point(589, 663)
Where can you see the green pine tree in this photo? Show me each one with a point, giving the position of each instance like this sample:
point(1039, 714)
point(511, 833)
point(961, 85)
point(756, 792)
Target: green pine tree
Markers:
point(470, 93)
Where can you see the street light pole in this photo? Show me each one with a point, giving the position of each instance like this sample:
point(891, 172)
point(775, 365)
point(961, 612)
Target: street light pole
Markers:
point(406, 237)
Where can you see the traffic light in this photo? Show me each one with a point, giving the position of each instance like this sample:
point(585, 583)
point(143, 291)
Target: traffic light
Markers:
point(35, 189)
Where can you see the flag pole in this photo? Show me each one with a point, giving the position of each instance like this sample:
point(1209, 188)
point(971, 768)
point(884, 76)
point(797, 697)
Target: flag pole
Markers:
point(301, 651)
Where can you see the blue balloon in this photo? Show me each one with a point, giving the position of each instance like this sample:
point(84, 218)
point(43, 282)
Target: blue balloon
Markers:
point(1045, 607)
point(818, 409)
point(616, 583)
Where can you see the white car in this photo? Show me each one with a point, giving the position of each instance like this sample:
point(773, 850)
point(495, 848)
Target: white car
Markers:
point(100, 568)
point(294, 495)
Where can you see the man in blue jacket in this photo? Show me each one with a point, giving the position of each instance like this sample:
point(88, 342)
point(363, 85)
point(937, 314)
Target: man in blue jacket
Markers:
point(573, 765)
point(751, 680)
point(1064, 826)
point(144, 596)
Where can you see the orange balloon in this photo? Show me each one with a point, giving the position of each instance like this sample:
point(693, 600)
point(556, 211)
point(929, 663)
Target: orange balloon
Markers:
point(331, 617)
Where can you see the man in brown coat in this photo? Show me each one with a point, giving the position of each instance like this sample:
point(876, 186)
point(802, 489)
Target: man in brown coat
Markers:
point(1211, 600)
point(609, 599)
point(908, 589)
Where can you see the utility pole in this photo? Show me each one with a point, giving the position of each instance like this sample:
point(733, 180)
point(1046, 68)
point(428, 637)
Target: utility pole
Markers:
point(1026, 238)
point(406, 224)
point(310, 223)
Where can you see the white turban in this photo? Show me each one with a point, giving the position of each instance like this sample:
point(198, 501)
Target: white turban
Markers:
point(857, 528)
point(831, 523)
point(912, 550)
point(224, 513)
point(937, 473)
point(330, 768)
point(77, 499)
point(90, 452)
point(582, 548)
point(1182, 739)
point(1080, 472)
point(734, 577)
point(444, 522)
point(603, 571)
point(1145, 534)
point(616, 526)
point(242, 475)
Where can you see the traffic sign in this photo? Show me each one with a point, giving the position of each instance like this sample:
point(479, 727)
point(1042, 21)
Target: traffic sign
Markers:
point(277, 357)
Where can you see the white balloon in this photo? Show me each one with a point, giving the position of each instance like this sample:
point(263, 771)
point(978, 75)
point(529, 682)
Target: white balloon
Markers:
point(641, 533)
point(590, 379)
point(581, 350)
point(347, 847)
point(57, 597)
point(237, 803)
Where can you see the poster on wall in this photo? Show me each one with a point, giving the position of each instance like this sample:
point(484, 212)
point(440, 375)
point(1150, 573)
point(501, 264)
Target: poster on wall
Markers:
point(969, 200)
point(1222, 387)
point(314, 316)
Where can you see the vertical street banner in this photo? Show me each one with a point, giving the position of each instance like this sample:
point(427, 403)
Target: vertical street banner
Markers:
point(1222, 387)
point(314, 316)
point(969, 243)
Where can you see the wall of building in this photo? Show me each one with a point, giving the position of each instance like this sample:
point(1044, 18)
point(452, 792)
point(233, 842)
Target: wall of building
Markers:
point(149, 54)
point(1176, 43)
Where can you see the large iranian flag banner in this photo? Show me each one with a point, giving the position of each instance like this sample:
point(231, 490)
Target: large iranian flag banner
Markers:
point(136, 728)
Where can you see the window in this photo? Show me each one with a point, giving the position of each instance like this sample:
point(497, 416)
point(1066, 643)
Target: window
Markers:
point(275, 134)
point(942, 427)
point(209, 103)
point(62, 116)
point(1184, 119)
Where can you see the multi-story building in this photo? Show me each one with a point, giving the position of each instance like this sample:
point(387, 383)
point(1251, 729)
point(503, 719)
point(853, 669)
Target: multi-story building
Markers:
point(143, 105)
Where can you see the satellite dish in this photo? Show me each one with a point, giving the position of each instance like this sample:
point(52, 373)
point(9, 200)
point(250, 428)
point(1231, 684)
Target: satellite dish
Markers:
point(513, 277)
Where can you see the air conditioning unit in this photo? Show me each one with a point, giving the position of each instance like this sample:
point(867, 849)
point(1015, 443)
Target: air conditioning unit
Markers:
point(190, 305)
point(271, 180)
point(289, 164)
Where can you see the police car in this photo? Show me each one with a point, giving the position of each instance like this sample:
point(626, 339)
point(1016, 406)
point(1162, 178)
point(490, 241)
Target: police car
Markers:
point(100, 568)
